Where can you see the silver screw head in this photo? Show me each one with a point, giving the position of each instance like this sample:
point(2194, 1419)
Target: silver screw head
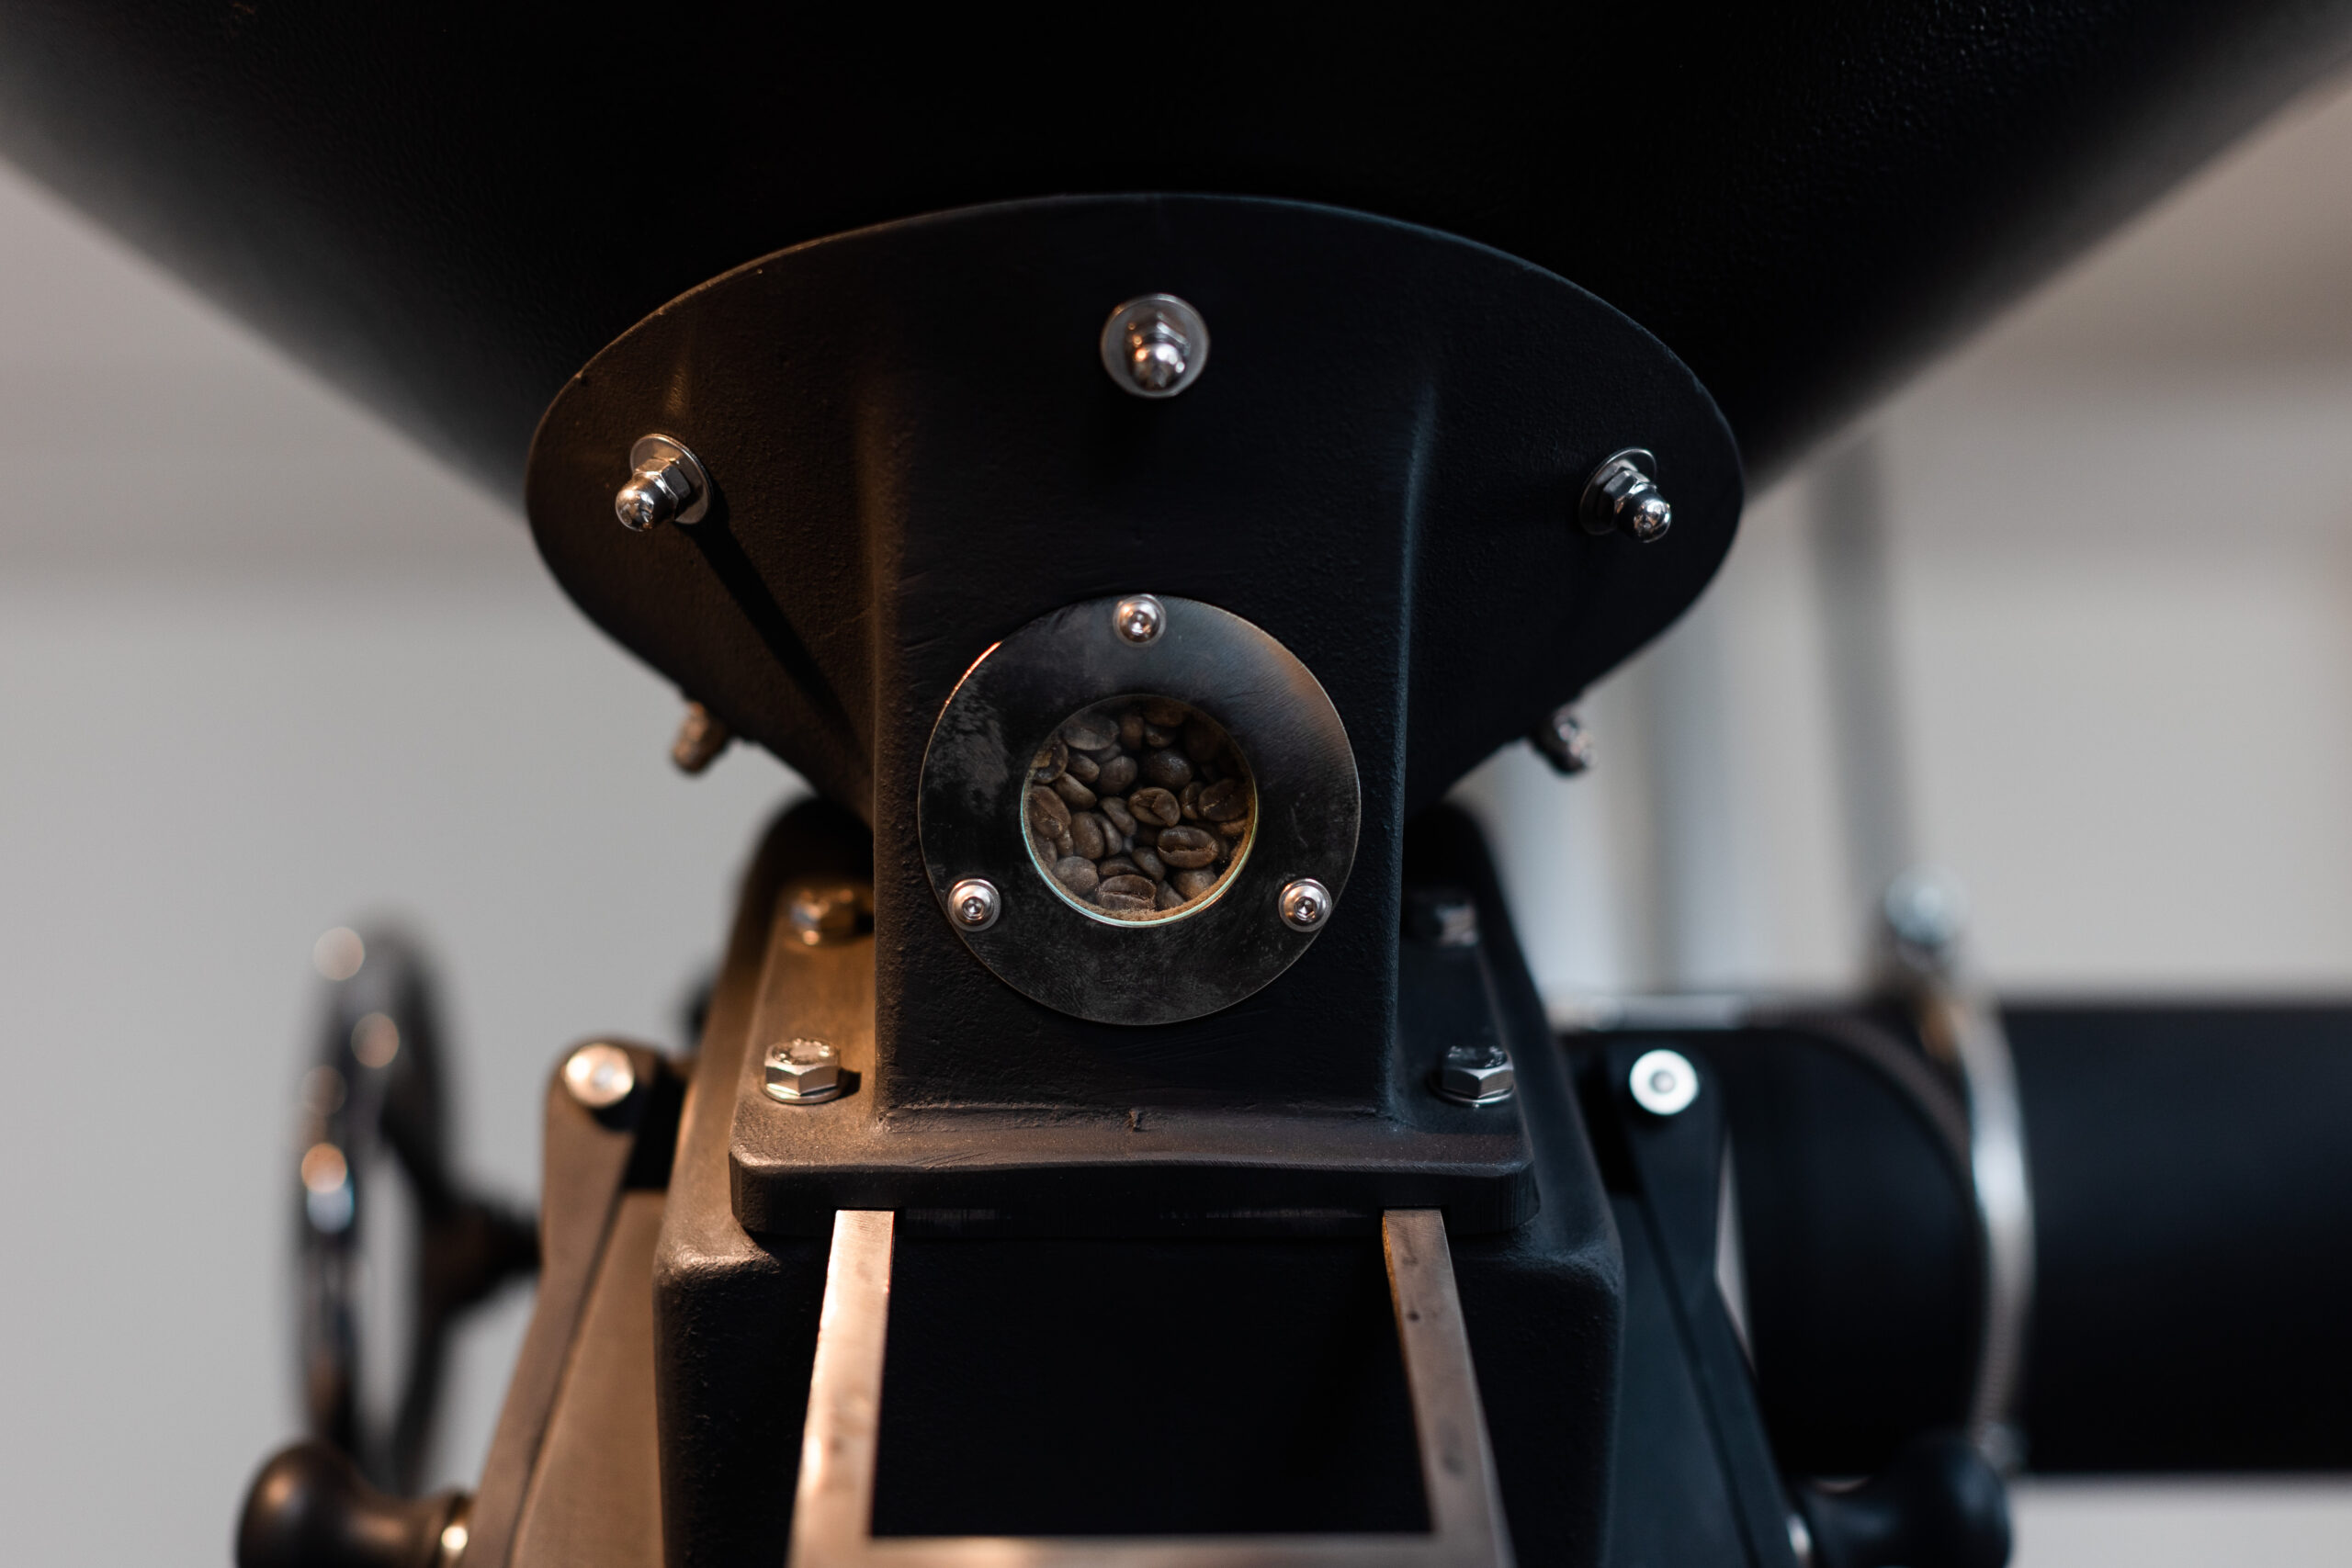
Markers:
point(599, 1076)
point(1564, 743)
point(1925, 910)
point(1305, 904)
point(1140, 617)
point(974, 904)
point(701, 736)
point(667, 484)
point(802, 1072)
point(1623, 493)
point(1477, 1074)
point(827, 914)
point(1664, 1083)
point(1155, 346)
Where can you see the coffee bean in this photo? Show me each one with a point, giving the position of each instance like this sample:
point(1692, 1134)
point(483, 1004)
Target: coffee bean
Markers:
point(1191, 801)
point(1224, 801)
point(1131, 731)
point(1118, 865)
point(1115, 776)
point(1170, 898)
point(1169, 770)
point(1193, 881)
point(1082, 767)
point(1201, 741)
point(1050, 761)
point(1155, 808)
point(1077, 793)
point(1063, 847)
point(1120, 817)
point(1089, 732)
point(1187, 847)
point(1151, 864)
point(1048, 813)
point(1234, 828)
point(1165, 712)
point(1088, 835)
point(1123, 903)
point(1078, 874)
point(1153, 736)
point(1130, 885)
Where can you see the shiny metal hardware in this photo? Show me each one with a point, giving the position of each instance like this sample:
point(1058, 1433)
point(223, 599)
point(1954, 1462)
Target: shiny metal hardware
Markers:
point(599, 1076)
point(823, 914)
point(1623, 493)
point(834, 1499)
point(802, 1072)
point(1562, 741)
point(1140, 617)
point(667, 484)
point(1477, 1074)
point(1305, 904)
point(701, 736)
point(1155, 346)
point(1664, 1083)
point(974, 903)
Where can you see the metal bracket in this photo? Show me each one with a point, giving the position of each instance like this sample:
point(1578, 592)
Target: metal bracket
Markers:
point(833, 1501)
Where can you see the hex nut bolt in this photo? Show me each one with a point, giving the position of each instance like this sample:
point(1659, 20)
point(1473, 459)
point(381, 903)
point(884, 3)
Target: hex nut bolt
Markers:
point(701, 736)
point(1623, 493)
point(1563, 741)
point(599, 1076)
point(1155, 346)
point(1140, 617)
point(667, 484)
point(1664, 1083)
point(1306, 904)
point(803, 1072)
point(974, 904)
point(1477, 1074)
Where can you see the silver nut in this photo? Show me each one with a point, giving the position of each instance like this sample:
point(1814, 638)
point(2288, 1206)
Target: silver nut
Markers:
point(1564, 743)
point(599, 1076)
point(1305, 904)
point(1664, 1083)
point(824, 914)
point(802, 1072)
point(1623, 493)
point(1140, 618)
point(1477, 1074)
point(1155, 346)
point(667, 484)
point(974, 904)
point(701, 736)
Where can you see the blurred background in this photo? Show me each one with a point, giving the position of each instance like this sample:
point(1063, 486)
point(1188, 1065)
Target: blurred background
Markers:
point(2069, 617)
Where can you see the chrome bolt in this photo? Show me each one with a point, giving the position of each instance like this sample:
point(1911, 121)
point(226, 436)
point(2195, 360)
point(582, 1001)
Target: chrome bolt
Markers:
point(1140, 618)
point(599, 1076)
point(974, 904)
point(701, 736)
point(1155, 346)
point(668, 485)
point(1306, 904)
point(1924, 912)
point(1563, 742)
point(1664, 1082)
point(802, 1072)
point(1623, 493)
point(1477, 1074)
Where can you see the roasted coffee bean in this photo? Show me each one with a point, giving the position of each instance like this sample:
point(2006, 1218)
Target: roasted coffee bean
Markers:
point(1063, 847)
point(1131, 731)
point(1082, 767)
point(1155, 737)
point(1190, 799)
point(1077, 793)
point(1223, 801)
point(1155, 808)
point(1202, 742)
point(1193, 881)
point(1187, 847)
point(1170, 898)
point(1118, 865)
point(1234, 828)
point(1078, 874)
point(1131, 884)
point(1165, 712)
point(1048, 813)
point(1120, 817)
point(1149, 864)
point(1088, 835)
point(1089, 732)
point(1116, 775)
point(1123, 903)
point(1051, 758)
point(1169, 770)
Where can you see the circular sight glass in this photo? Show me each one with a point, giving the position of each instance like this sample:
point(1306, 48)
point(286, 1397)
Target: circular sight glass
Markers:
point(1139, 810)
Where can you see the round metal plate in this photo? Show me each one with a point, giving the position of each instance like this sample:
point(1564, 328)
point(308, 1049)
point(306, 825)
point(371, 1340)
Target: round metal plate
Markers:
point(975, 774)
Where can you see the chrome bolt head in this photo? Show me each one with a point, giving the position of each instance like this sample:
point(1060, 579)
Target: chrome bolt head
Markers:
point(1140, 617)
point(1155, 346)
point(827, 914)
point(1924, 912)
point(1664, 1083)
point(1623, 493)
point(802, 1072)
point(701, 736)
point(974, 904)
point(668, 484)
point(1305, 904)
point(1564, 743)
point(1477, 1074)
point(600, 1075)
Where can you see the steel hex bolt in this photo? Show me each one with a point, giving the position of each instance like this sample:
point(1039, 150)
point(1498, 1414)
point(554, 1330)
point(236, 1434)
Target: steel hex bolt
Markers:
point(1306, 904)
point(802, 1072)
point(1623, 493)
point(668, 484)
point(974, 904)
point(1140, 618)
point(1477, 1074)
point(1564, 743)
point(1155, 346)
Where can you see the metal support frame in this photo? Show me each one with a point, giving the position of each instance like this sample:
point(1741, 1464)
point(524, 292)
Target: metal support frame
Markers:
point(833, 1501)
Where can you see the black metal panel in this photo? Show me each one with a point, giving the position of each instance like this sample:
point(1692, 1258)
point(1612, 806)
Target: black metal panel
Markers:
point(454, 206)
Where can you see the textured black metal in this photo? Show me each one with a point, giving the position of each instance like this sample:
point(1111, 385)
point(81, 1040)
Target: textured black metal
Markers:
point(453, 208)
